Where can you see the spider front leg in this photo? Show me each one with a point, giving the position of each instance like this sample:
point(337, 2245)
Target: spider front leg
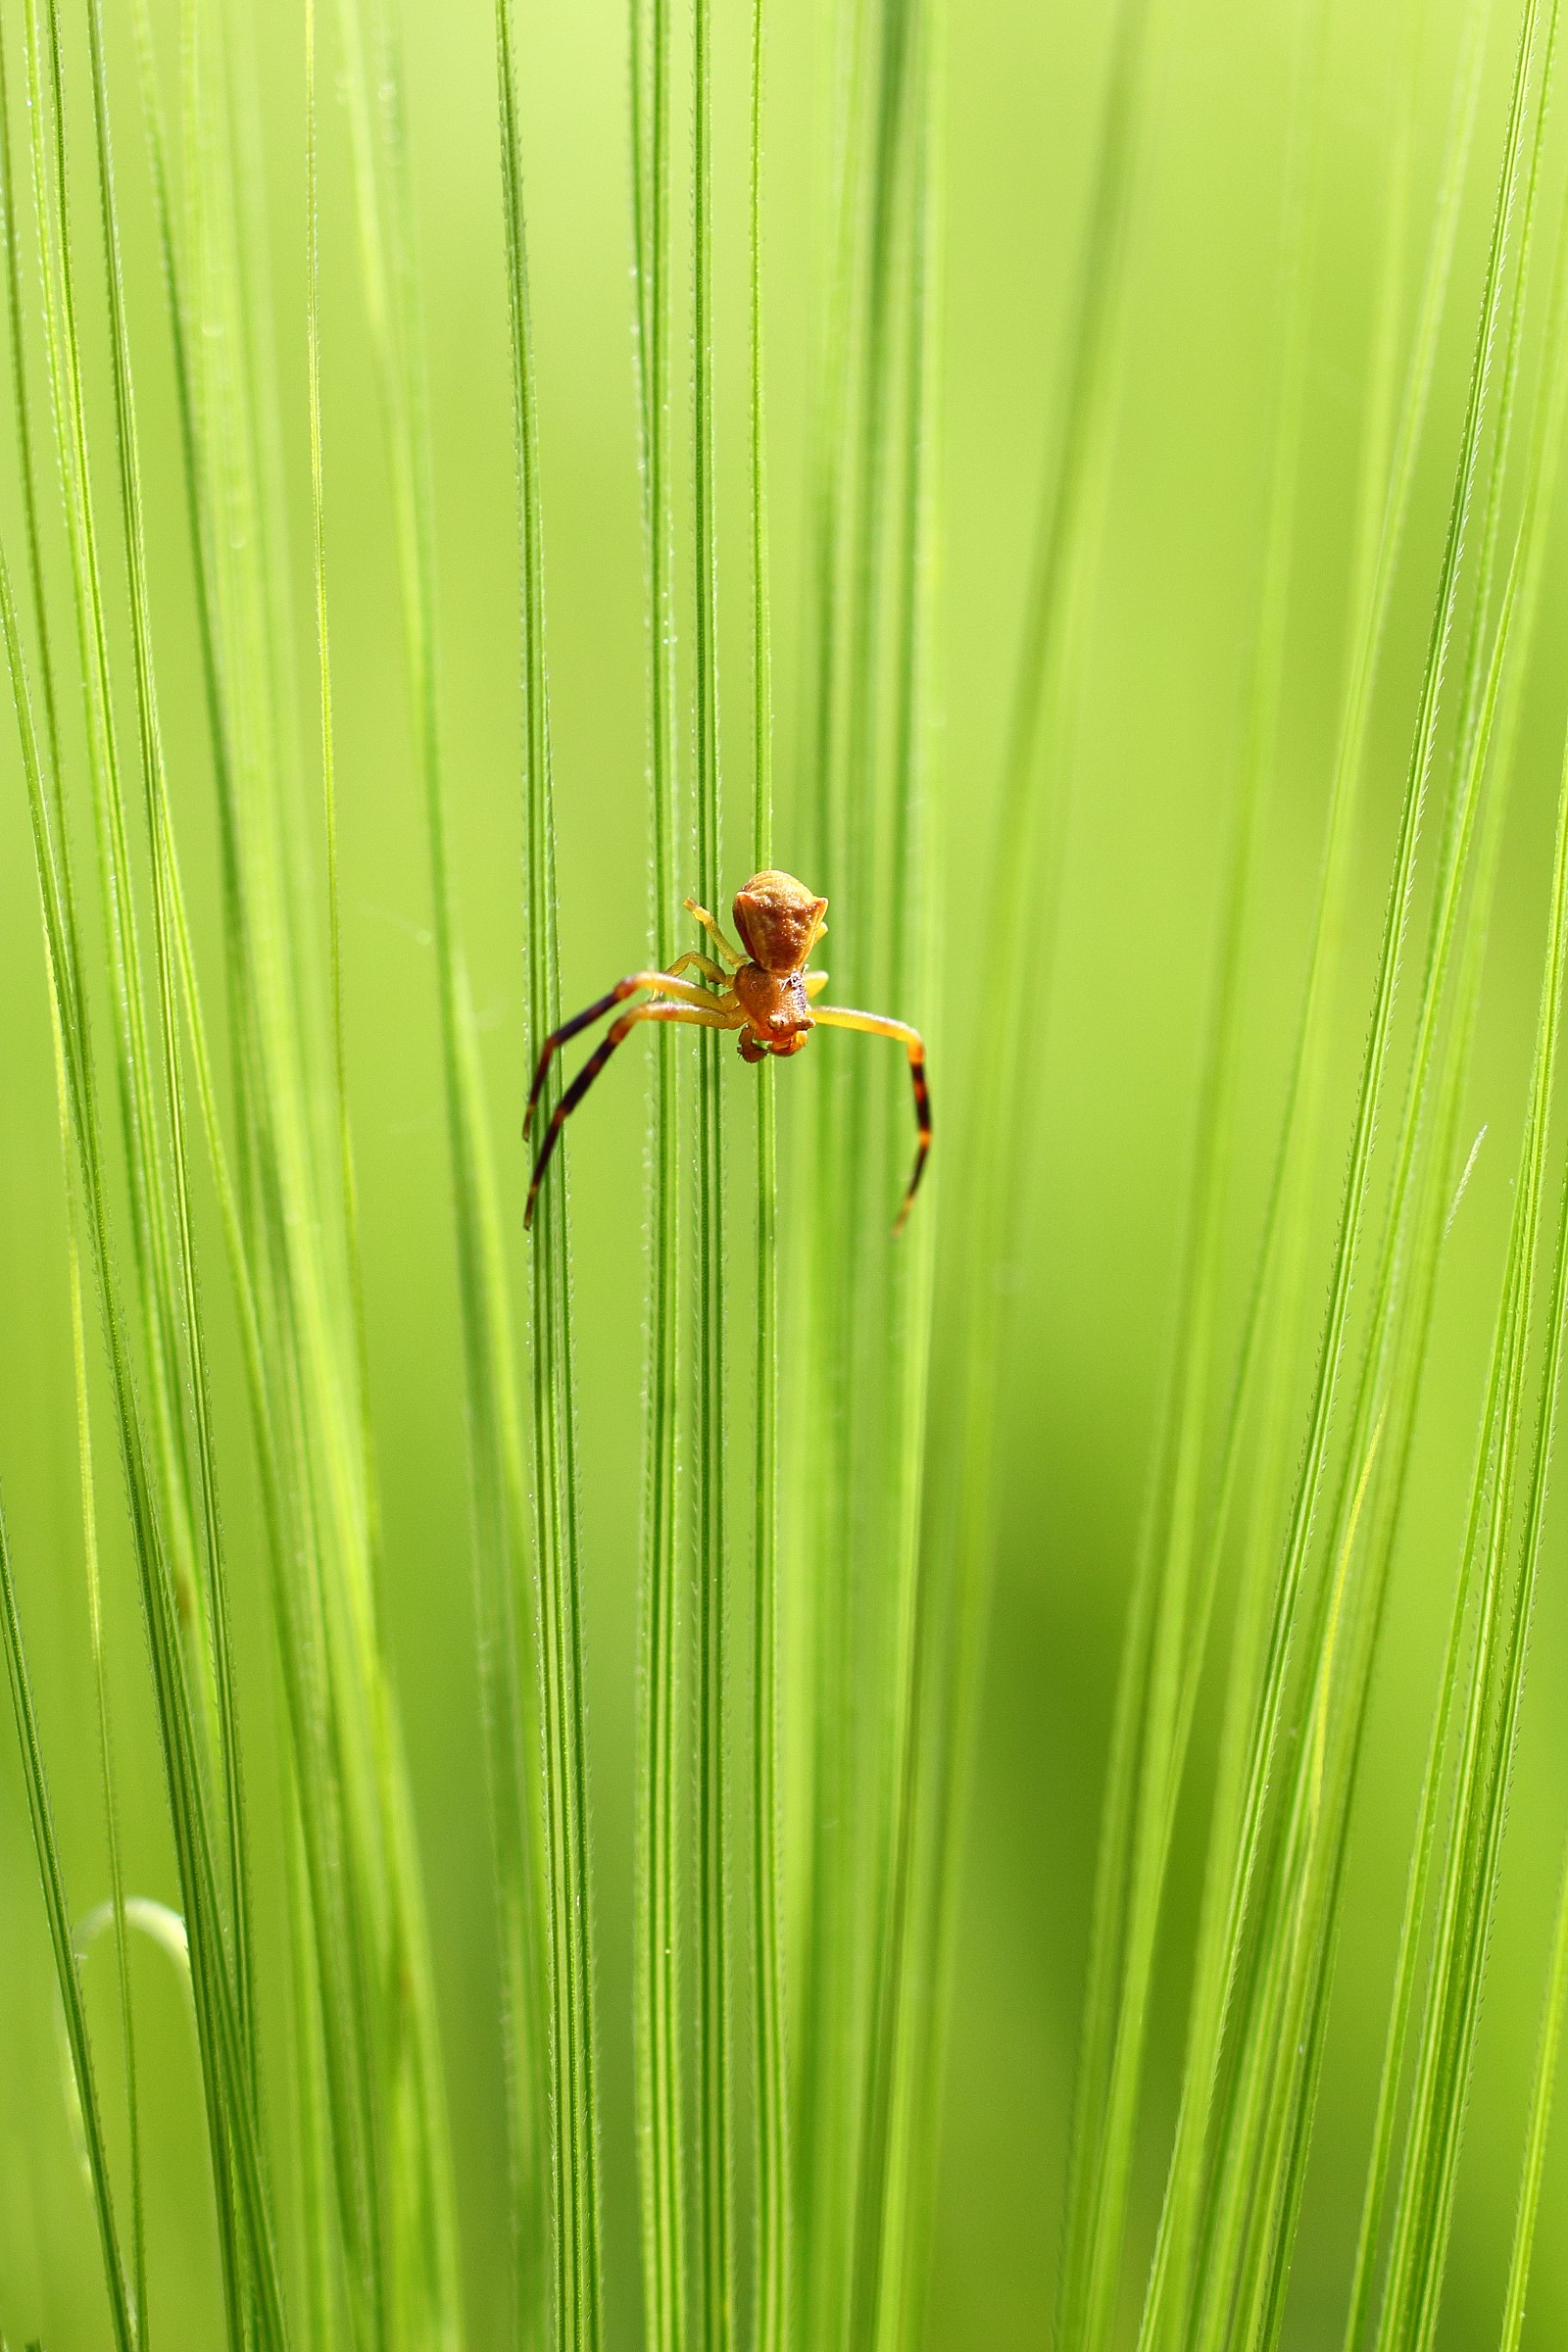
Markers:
point(709, 1016)
point(876, 1024)
point(705, 964)
point(663, 984)
point(732, 956)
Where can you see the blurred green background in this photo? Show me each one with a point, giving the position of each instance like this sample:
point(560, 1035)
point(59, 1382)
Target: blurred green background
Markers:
point(1110, 1068)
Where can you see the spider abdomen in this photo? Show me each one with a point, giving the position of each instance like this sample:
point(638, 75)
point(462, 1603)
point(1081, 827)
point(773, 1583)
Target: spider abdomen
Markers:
point(779, 921)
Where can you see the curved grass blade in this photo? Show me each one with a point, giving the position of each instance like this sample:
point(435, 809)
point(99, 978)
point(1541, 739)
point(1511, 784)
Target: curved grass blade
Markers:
point(317, 1480)
point(226, 2076)
point(1281, 2181)
point(22, 419)
point(1262, 2126)
point(125, 2334)
point(186, 1304)
point(164, 1261)
point(117, 1911)
point(1204, 2056)
point(1423, 2204)
point(1524, 2236)
point(1272, 1339)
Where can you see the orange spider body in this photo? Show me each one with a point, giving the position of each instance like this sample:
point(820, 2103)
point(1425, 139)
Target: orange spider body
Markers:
point(779, 923)
point(778, 1013)
point(765, 993)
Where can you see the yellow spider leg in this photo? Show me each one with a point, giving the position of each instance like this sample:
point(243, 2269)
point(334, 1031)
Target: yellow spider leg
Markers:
point(815, 982)
point(663, 984)
point(709, 970)
point(732, 956)
point(709, 1016)
point(877, 1025)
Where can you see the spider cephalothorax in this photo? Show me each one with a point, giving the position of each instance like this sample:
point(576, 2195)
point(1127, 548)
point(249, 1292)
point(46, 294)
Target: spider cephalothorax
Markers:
point(765, 993)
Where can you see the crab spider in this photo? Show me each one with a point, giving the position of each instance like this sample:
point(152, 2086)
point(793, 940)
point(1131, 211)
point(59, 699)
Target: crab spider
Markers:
point(767, 994)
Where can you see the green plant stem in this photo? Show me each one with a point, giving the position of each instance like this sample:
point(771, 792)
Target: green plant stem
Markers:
point(715, 1962)
point(47, 1848)
point(106, 1753)
point(249, 2266)
point(1138, 1843)
point(1272, 1336)
point(1022, 897)
point(521, 1827)
point(1524, 2236)
point(224, 2070)
point(772, 2320)
point(661, 2169)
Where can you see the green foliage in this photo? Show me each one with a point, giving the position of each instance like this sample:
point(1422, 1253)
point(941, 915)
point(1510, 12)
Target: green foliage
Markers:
point(1121, 578)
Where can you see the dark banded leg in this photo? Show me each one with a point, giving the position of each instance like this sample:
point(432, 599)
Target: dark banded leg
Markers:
point(664, 982)
point(876, 1024)
point(707, 1017)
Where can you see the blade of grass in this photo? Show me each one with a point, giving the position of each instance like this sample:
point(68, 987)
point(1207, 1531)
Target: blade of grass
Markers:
point(820, 1435)
point(660, 1925)
point(1540, 479)
point(1524, 2236)
point(1271, 1340)
point(1302, 2031)
point(149, 1229)
point(150, 1232)
point(224, 2073)
point(1100, 2186)
point(50, 1873)
point(573, 2137)
point(772, 2319)
point(106, 1760)
point(1424, 2199)
point(1023, 892)
point(885, 2298)
point(335, 1731)
point(136, 2286)
point(867, 1314)
point(318, 1503)
point(1293, 1947)
point(386, 244)
point(1203, 2058)
point(234, 2138)
point(716, 2096)
point(197, 1376)
point(521, 1840)
point(1262, 2129)
point(1491, 1728)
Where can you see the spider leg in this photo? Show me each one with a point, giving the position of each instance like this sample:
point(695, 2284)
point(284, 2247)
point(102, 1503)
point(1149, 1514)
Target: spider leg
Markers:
point(876, 1024)
point(663, 984)
point(710, 1016)
point(815, 982)
point(708, 969)
point(732, 956)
